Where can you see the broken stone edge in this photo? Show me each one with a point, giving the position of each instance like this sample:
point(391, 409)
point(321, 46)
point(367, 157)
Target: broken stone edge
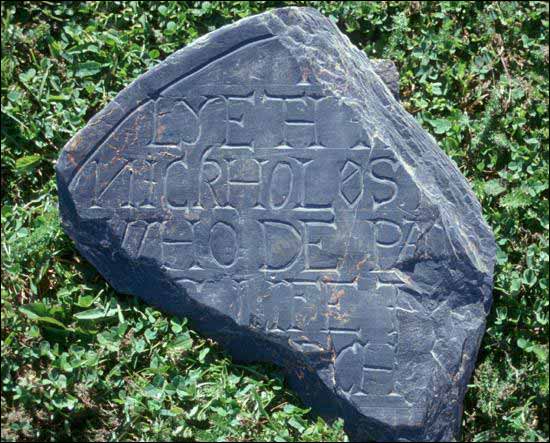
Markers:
point(346, 72)
point(388, 73)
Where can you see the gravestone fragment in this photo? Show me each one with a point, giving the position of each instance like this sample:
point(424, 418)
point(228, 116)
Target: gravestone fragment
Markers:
point(265, 183)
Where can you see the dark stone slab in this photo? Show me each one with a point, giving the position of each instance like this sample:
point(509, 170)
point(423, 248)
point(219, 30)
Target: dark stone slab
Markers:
point(265, 182)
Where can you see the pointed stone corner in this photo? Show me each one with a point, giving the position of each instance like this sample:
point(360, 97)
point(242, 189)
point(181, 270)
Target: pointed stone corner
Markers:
point(265, 183)
point(388, 73)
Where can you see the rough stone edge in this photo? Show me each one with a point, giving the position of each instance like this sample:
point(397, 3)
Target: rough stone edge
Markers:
point(433, 172)
point(388, 73)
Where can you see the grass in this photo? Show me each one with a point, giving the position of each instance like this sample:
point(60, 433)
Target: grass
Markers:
point(81, 362)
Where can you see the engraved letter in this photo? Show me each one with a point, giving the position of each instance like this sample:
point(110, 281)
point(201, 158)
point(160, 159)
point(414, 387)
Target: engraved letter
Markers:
point(283, 245)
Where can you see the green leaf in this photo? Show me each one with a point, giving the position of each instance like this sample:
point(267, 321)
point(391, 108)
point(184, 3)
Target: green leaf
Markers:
point(529, 277)
point(183, 342)
point(27, 162)
point(203, 353)
point(40, 313)
point(541, 353)
point(87, 69)
point(493, 187)
point(171, 27)
point(441, 126)
point(152, 391)
point(502, 257)
point(259, 403)
point(296, 424)
point(522, 343)
point(515, 285)
point(90, 314)
point(27, 76)
point(34, 310)
point(85, 301)
point(14, 96)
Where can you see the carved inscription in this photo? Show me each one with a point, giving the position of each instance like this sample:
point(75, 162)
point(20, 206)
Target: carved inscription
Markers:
point(216, 194)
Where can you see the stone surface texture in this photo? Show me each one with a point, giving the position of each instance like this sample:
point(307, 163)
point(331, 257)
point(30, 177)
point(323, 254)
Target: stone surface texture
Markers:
point(265, 182)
